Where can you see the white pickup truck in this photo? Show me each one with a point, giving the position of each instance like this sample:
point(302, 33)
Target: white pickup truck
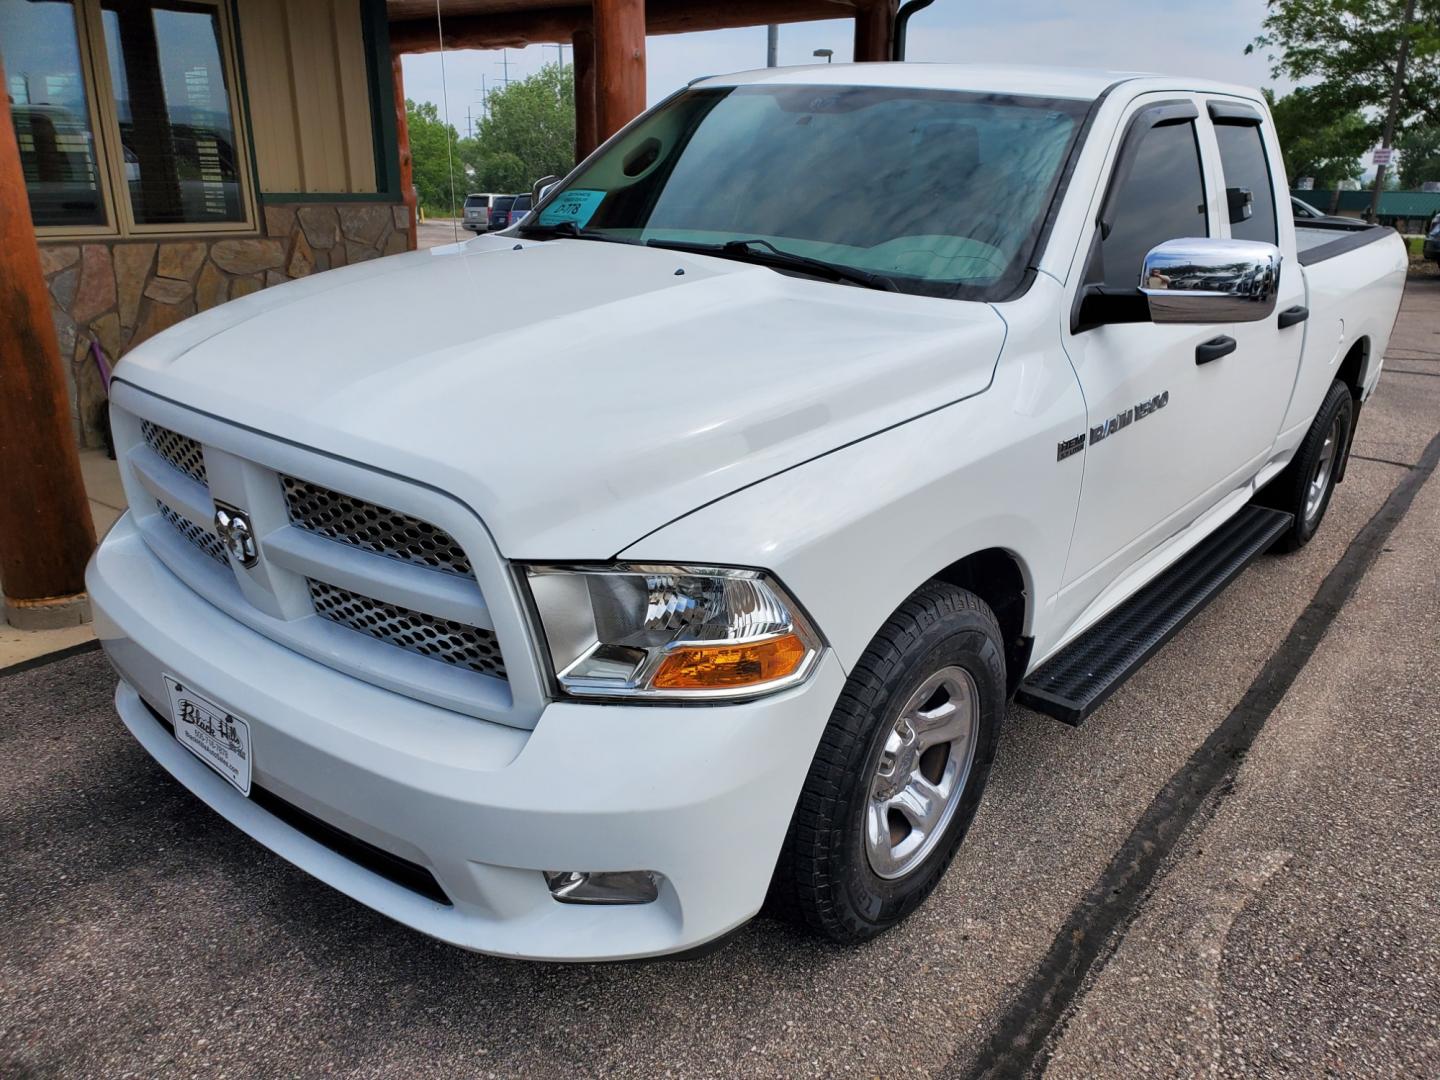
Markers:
point(823, 412)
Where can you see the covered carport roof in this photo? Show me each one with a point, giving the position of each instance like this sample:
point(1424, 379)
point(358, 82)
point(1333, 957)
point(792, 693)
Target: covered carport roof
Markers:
point(608, 39)
point(495, 24)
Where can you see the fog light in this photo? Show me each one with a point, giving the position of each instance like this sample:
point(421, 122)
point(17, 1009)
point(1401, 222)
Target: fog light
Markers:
point(603, 887)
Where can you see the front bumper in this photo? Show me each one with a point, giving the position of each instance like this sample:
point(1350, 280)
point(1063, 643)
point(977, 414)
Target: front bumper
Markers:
point(700, 795)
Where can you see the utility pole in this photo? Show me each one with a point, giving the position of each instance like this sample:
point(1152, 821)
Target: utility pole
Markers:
point(1392, 115)
point(772, 45)
point(504, 65)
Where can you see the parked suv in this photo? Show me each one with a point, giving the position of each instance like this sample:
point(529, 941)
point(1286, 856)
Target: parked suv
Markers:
point(477, 211)
point(1432, 241)
point(500, 210)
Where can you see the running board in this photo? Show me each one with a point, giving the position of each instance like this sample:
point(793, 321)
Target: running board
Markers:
point(1078, 679)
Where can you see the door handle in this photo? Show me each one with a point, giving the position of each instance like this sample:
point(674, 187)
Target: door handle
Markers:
point(1290, 316)
point(1215, 348)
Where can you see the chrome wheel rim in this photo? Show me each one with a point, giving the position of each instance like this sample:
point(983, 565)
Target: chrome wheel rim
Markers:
point(1324, 469)
point(922, 773)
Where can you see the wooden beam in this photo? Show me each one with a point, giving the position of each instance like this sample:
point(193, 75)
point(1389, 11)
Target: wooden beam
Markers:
point(587, 122)
point(46, 534)
point(874, 31)
point(515, 29)
point(502, 30)
point(402, 146)
point(619, 64)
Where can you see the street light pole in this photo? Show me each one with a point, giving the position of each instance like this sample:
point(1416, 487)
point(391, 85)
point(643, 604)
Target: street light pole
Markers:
point(772, 45)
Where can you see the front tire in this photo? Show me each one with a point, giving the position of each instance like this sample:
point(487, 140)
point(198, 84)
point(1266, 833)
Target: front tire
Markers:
point(899, 771)
point(1305, 487)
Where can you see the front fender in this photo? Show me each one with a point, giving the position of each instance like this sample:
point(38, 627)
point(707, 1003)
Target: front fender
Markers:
point(853, 533)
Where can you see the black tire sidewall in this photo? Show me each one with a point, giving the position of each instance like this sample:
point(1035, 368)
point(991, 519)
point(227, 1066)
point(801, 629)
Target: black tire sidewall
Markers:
point(968, 640)
point(1338, 400)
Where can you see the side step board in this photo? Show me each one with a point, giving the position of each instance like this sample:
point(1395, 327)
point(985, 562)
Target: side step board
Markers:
point(1075, 682)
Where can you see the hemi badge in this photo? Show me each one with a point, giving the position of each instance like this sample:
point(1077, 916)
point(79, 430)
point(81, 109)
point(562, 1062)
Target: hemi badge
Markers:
point(1069, 447)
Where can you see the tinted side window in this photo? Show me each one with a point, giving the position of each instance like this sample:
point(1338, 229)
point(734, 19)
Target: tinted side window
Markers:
point(1242, 156)
point(1162, 199)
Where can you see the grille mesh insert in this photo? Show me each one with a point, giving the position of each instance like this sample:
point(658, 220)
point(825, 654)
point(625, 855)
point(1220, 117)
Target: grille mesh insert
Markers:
point(440, 639)
point(181, 451)
point(373, 528)
point(206, 541)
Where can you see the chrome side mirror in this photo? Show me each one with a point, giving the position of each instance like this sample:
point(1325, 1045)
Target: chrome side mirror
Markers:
point(1211, 281)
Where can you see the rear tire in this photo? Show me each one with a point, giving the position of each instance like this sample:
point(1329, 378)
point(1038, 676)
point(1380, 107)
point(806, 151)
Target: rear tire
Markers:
point(1305, 487)
point(900, 769)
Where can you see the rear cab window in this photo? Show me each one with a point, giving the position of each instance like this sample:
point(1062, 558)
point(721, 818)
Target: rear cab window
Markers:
point(1249, 187)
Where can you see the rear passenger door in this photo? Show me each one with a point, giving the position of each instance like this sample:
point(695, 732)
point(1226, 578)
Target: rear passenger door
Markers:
point(1266, 361)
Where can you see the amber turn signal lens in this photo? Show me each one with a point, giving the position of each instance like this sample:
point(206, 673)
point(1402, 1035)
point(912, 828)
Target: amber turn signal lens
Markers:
point(725, 666)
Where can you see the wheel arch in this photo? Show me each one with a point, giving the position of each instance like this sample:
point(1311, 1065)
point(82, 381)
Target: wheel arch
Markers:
point(1353, 368)
point(1000, 578)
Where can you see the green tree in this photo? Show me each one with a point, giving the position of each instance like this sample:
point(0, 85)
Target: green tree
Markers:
point(1319, 141)
point(434, 147)
point(1348, 49)
point(1419, 156)
point(529, 132)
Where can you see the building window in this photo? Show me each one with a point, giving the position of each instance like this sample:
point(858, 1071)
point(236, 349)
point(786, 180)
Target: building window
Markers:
point(51, 108)
point(160, 149)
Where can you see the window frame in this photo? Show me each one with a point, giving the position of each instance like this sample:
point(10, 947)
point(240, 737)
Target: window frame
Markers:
point(105, 129)
point(1137, 116)
point(1237, 113)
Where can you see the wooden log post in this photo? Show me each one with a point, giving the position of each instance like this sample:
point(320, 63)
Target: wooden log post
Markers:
point(46, 533)
point(619, 63)
point(402, 144)
point(874, 30)
point(587, 123)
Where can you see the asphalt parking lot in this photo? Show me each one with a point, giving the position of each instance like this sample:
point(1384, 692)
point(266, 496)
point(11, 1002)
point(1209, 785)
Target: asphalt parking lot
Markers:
point(1232, 869)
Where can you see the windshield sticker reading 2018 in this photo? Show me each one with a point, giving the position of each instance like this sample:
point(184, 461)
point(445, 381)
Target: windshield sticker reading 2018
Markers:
point(578, 206)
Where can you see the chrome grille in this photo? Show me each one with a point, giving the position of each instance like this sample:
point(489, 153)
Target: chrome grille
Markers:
point(182, 452)
point(206, 541)
point(440, 639)
point(373, 528)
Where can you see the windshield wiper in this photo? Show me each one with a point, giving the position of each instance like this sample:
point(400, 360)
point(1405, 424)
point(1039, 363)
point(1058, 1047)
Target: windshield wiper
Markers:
point(570, 231)
point(764, 253)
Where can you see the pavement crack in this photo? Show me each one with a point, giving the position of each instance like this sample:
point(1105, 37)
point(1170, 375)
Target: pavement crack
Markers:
point(1025, 1034)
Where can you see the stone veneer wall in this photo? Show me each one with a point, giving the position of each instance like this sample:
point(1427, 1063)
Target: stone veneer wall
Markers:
point(120, 292)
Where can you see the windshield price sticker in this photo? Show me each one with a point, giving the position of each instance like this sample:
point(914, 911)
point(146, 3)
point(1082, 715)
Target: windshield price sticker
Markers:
point(577, 205)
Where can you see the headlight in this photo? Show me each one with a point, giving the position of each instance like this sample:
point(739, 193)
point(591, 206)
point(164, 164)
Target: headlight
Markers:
point(670, 632)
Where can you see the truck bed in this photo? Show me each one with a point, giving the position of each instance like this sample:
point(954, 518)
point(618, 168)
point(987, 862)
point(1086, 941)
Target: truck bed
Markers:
point(1317, 241)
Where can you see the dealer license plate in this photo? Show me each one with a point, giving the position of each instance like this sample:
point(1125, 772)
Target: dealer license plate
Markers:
point(217, 737)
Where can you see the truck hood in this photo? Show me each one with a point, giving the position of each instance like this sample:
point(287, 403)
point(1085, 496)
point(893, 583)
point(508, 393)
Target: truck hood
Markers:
point(576, 395)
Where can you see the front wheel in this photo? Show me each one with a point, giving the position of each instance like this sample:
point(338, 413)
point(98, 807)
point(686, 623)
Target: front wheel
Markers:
point(1305, 487)
point(900, 769)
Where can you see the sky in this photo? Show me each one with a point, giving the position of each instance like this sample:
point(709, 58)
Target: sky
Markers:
point(1125, 35)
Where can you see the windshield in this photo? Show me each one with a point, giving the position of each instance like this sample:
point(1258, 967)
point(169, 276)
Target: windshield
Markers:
point(472, 201)
point(942, 192)
point(503, 202)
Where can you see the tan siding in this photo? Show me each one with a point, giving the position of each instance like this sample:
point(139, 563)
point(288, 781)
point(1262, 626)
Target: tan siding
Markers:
point(356, 125)
point(309, 95)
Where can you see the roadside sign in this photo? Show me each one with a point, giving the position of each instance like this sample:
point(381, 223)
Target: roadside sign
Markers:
point(1384, 156)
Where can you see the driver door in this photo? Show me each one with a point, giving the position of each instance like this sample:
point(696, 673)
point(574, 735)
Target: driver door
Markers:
point(1168, 432)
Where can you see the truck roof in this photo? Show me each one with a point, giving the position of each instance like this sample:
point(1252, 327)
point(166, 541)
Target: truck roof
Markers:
point(1084, 84)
